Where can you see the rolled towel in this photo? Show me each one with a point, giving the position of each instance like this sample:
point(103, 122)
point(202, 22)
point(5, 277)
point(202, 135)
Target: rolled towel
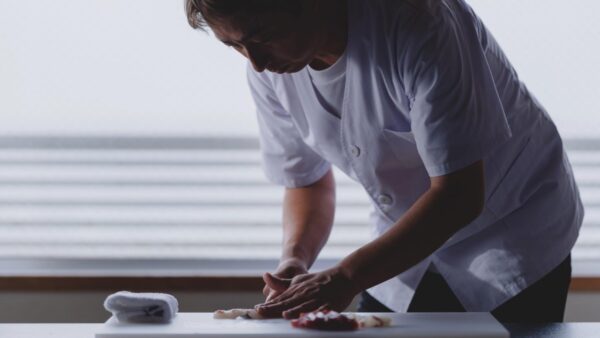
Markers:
point(130, 307)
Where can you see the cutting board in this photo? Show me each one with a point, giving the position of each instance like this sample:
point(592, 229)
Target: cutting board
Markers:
point(404, 325)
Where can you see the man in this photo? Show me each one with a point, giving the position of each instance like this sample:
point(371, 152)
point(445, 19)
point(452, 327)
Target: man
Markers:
point(475, 206)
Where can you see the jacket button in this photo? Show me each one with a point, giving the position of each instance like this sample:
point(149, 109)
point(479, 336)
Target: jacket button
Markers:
point(384, 199)
point(355, 150)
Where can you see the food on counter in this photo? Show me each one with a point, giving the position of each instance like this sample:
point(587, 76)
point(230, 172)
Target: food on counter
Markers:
point(237, 313)
point(372, 321)
point(327, 320)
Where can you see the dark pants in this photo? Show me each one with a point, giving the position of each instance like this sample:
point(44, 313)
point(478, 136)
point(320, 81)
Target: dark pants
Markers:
point(543, 301)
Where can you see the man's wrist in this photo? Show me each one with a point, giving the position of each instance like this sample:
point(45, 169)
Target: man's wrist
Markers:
point(290, 267)
point(295, 255)
point(293, 261)
point(352, 280)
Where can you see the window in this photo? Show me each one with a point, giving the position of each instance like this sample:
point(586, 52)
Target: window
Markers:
point(129, 140)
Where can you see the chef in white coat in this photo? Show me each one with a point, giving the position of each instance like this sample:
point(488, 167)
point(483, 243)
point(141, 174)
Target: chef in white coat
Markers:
point(474, 203)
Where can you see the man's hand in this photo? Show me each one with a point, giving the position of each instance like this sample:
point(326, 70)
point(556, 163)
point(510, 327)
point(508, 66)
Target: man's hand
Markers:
point(329, 289)
point(276, 283)
point(307, 220)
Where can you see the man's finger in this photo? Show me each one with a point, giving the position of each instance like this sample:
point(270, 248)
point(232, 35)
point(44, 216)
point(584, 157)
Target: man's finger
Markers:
point(275, 283)
point(324, 307)
point(302, 308)
point(280, 296)
point(272, 294)
point(277, 309)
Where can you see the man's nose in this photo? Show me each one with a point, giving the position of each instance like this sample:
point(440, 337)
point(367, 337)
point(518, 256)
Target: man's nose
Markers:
point(257, 58)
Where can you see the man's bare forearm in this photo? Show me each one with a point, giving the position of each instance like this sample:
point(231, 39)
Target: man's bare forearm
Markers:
point(431, 221)
point(308, 214)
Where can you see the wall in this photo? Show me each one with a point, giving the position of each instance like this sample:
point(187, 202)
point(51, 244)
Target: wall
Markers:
point(49, 307)
point(135, 67)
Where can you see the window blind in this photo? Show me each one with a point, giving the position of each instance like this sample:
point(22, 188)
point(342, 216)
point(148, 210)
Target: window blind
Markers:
point(135, 198)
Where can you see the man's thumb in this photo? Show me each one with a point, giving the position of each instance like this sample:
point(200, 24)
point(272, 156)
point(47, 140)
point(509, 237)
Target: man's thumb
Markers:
point(276, 283)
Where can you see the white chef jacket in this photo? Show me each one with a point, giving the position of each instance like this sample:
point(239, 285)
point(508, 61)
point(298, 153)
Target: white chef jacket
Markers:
point(428, 91)
point(329, 85)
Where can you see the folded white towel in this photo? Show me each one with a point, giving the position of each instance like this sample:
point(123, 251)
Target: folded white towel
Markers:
point(129, 307)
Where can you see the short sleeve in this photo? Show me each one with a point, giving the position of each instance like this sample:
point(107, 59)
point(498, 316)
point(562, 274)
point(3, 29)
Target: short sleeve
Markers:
point(456, 114)
point(286, 159)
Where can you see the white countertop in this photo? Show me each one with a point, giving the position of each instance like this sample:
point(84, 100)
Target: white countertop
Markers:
point(202, 325)
point(49, 330)
point(544, 330)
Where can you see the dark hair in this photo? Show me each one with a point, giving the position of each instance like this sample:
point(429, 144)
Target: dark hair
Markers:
point(199, 12)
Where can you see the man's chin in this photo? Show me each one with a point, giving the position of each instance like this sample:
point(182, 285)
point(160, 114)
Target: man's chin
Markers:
point(288, 69)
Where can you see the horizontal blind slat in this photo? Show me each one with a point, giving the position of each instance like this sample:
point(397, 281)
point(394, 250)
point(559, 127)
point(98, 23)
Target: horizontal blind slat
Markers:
point(128, 198)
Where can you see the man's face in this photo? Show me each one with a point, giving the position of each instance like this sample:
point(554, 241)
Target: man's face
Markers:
point(280, 43)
